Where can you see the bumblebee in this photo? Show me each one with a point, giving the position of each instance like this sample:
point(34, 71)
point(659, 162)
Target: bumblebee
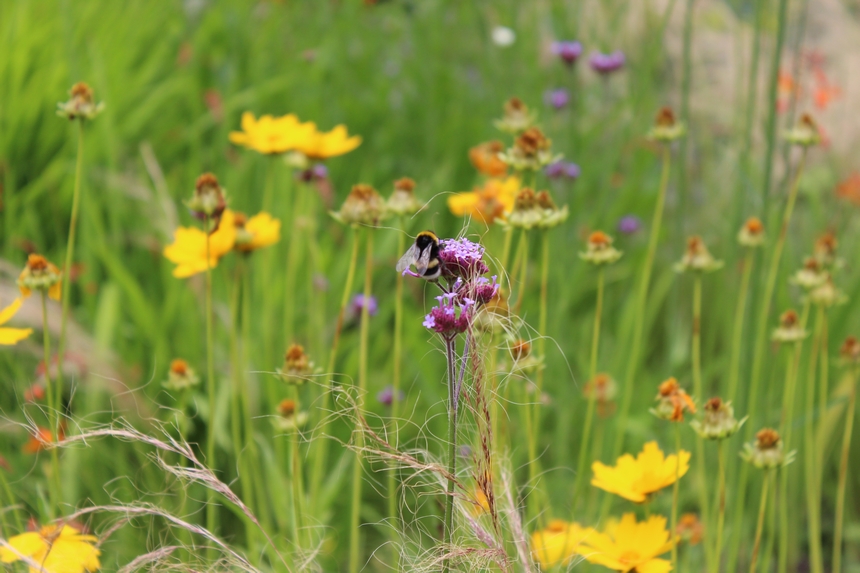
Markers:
point(424, 254)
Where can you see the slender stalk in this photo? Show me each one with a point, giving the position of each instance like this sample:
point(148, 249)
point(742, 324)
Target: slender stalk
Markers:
point(698, 390)
point(523, 269)
point(393, 512)
point(211, 517)
point(721, 506)
point(322, 448)
point(811, 456)
point(584, 446)
point(760, 525)
point(53, 411)
point(738, 328)
point(296, 480)
point(506, 252)
point(542, 316)
point(843, 475)
point(759, 354)
point(364, 333)
point(674, 517)
point(11, 505)
point(67, 267)
point(772, 91)
point(686, 77)
point(823, 398)
point(450, 355)
point(293, 255)
point(642, 302)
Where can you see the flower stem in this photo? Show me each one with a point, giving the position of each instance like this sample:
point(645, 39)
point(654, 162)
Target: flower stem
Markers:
point(364, 332)
point(67, 267)
point(393, 512)
point(523, 269)
point(738, 328)
point(760, 524)
point(293, 255)
point(584, 446)
point(53, 411)
point(322, 449)
point(721, 506)
point(296, 480)
point(450, 355)
point(843, 475)
point(642, 302)
point(760, 346)
point(211, 517)
point(698, 390)
point(810, 455)
point(674, 516)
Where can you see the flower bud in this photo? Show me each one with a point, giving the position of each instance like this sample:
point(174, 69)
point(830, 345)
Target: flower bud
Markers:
point(209, 199)
point(363, 206)
point(752, 233)
point(766, 451)
point(666, 128)
point(41, 275)
point(718, 422)
point(180, 376)
point(81, 105)
point(599, 249)
point(697, 257)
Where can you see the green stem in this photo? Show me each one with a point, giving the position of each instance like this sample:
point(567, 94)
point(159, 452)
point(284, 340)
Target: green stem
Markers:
point(721, 506)
point(523, 250)
point(810, 455)
point(11, 497)
point(364, 334)
point(674, 517)
point(772, 92)
point(393, 512)
point(698, 390)
point(843, 475)
point(760, 524)
point(683, 179)
point(738, 328)
point(67, 268)
point(592, 397)
point(759, 355)
point(293, 255)
point(53, 411)
point(506, 253)
point(320, 460)
point(296, 480)
point(450, 355)
point(236, 401)
point(211, 517)
point(641, 304)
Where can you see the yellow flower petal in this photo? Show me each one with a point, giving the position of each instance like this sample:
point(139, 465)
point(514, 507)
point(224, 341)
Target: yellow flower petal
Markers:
point(11, 336)
point(7, 313)
point(265, 230)
point(636, 479)
point(27, 544)
point(188, 250)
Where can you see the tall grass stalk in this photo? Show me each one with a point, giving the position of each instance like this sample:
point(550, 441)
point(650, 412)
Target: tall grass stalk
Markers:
point(721, 506)
point(760, 524)
point(448, 533)
point(298, 490)
point(54, 417)
point(843, 474)
point(810, 455)
point(211, 516)
point(394, 429)
point(674, 516)
point(642, 303)
point(67, 267)
point(772, 93)
point(364, 334)
point(293, 255)
point(696, 353)
point(321, 457)
point(585, 445)
point(738, 326)
point(759, 351)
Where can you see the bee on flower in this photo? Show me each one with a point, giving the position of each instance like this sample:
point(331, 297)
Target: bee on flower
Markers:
point(81, 105)
point(517, 117)
point(672, 402)
point(719, 420)
point(532, 150)
point(767, 451)
point(666, 128)
point(752, 233)
point(697, 257)
point(40, 274)
point(11, 336)
point(636, 479)
point(789, 329)
point(599, 249)
point(363, 206)
point(180, 376)
point(805, 134)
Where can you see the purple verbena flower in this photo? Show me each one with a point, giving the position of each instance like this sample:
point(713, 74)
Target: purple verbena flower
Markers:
point(484, 290)
point(386, 396)
point(462, 258)
point(605, 64)
point(568, 51)
point(557, 98)
point(562, 169)
point(629, 224)
point(450, 317)
point(358, 304)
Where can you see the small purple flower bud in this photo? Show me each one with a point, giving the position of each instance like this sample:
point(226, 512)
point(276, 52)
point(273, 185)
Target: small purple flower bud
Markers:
point(386, 396)
point(629, 224)
point(565, 169)
point(605, 64)
point(319, 171)
point(358, 304)
point(568, 51)
point(484, 291)
point(557, 98)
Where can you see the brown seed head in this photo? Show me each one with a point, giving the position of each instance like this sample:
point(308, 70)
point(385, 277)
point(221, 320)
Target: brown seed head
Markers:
point(811, 264)
point(81, 91)
point(767, 439)
point(405, 184)
point(599, 239)
point(714, 404)
point(665, 117)
point(544, 200)
point(206, 182)
point(826, 244)
point(515, 105)
point(807, 122)
point(694, 244)
point(520, 349)
point(669, 387)
point(850, 349)
point(754, 226)
point(525, 200)
point(37, 263)
point(179, 367)
point(239, 219)
point(788, 319)
point(532, 141)
point(287, 408)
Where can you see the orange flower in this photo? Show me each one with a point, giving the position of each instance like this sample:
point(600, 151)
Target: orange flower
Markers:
point(40, 440)
point(673, 402)
point(850, 189)
point(824, 92)
point(485, 158)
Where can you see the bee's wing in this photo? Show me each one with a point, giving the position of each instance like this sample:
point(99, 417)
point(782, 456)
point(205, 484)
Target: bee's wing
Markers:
point(423, 261)
point(408, 258)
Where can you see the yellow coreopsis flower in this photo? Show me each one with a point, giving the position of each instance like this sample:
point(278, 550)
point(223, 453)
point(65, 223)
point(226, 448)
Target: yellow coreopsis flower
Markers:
point(261, 230)
point(631, 546)
point(271, 135)
point(11, 336)
point(188, 250)
point(57, 549)
point(325, 144)
point(636, 479)
point(560, 542)
point(495, 200)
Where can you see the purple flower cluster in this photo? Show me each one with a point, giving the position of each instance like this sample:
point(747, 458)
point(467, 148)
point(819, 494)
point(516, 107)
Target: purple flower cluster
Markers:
point(318, 172)
point(358, 304)
point(461, 258)
point(605, 64)
point(629, 224)
point(451, 316)
point(562, 170)
point(568, 51)
point(386, 396)
point(557, 98)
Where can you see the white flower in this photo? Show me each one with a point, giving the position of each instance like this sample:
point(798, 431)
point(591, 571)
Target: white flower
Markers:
point(503, 36)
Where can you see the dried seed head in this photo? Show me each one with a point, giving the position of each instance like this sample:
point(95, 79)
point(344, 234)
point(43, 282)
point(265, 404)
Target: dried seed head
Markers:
point(718, 421)
point(297, 365)
point(209, 199)
point(485, 158)
point(766, 451)
point(179, 367)
point(826, 294)
point(404, 184)
point(690, 529)
point(180, 376)
point(789, 329)
point(850, 350)
point(805, 133)
point(673, 401)
point(666, 128)
point(521, 349)
point(532, 150)
point(81, 104)
point(697, 257)
point(402, 200)
point(39, 274)
point(516, 118)
point(289, 418)
point(752, 233)
point(824, 250)
point(767, 439)
point(599, 249)
point(363, 206)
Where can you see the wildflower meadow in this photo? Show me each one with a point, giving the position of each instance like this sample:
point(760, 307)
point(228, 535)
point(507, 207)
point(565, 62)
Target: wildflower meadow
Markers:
point(400, 285)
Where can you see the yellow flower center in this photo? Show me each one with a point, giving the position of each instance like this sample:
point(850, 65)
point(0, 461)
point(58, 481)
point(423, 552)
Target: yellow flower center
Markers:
point(630, 557)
